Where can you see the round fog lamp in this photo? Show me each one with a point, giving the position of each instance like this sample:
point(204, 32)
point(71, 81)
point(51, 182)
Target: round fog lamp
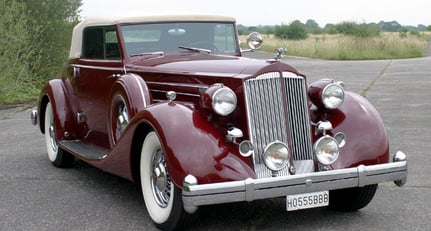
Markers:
point(246, 148)
point(276, 156)
point(326, 150)
point(333, 96)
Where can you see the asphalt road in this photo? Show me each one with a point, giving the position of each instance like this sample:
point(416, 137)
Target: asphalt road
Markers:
point(34, 195)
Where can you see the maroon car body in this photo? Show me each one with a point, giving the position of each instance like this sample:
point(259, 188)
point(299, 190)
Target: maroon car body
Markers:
point(128, 78)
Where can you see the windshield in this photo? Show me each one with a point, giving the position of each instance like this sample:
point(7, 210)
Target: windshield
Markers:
point(175, 37)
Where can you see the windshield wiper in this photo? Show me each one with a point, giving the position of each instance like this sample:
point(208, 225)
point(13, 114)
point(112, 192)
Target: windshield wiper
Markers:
point(199, 50)
point(160, 53)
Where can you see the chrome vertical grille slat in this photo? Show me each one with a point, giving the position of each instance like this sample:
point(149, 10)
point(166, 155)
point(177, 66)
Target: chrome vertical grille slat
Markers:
point(299, 119)
point(266, 98)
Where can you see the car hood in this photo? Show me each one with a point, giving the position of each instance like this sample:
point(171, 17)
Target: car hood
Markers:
point(204, 64)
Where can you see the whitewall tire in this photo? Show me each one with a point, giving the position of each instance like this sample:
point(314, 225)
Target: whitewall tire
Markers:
point(56, 154)
point(162, 198)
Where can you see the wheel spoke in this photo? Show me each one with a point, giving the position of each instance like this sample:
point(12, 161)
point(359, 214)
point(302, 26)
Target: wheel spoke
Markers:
point(122, 120)
point(161, 183)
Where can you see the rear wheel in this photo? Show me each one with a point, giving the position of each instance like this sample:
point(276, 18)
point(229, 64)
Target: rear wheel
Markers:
point(351, 199)
point(162, 198)
point(56, 155)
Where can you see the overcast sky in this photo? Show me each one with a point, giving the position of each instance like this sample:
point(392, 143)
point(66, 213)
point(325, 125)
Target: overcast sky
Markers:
point(274, 12)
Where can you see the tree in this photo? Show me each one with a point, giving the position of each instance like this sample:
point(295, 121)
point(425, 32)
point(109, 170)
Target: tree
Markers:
point(294, 31)
point(330, 29)
point(35, 39)
point(311, 24)
point(281, 31)
point(358, 30)
point(15, 50)
point(421, 27)
point(297, 31)
point(313, 27)
point(51, 22)
point(392, 26)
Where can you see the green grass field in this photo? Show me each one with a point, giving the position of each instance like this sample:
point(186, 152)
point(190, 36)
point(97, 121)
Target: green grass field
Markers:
point(341, 47)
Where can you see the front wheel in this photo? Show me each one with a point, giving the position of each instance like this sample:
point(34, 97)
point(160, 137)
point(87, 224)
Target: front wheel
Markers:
point(119, 118)
point(351, 199)
point(162, 198)
point(58, 157)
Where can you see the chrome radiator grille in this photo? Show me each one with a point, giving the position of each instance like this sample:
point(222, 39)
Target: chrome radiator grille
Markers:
point(277, 110)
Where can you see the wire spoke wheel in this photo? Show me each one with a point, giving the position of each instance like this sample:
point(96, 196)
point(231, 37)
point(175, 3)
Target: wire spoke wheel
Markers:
point(161, 183)
point(119, 118)
point(163, 199)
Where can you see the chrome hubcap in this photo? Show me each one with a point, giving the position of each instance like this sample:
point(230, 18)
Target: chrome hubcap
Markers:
point(160, 181)
point(52, 136)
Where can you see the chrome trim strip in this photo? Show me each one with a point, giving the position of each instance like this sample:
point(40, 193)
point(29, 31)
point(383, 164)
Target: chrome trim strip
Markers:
point(185, 85)
point(254, 189)
point(178, 93)
point(120, 69)
point(141, 89)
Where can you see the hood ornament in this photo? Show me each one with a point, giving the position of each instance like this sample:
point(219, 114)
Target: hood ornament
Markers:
point(280, 51)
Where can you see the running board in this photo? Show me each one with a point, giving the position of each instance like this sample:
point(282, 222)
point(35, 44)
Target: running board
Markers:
point(84, 150)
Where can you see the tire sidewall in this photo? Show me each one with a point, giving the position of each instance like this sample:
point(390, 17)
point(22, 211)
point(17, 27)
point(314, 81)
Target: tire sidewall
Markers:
point(158, 214)
point(351, 199)
point(49, 118)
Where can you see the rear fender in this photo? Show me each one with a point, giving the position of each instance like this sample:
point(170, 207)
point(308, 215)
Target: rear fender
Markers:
point(55, 92)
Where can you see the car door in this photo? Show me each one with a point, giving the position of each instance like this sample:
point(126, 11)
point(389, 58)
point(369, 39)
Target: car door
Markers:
point(93, 76)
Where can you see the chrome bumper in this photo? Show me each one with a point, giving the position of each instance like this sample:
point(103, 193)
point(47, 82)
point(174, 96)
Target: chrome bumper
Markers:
point(195, 195)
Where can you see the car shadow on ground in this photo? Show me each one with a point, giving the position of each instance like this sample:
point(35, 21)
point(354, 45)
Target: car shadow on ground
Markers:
point(267, 214)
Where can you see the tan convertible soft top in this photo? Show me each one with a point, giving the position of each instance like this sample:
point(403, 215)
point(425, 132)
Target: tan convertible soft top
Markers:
point(76, 45)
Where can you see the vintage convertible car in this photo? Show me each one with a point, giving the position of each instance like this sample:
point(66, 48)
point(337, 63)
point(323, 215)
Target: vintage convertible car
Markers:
point(169, 101)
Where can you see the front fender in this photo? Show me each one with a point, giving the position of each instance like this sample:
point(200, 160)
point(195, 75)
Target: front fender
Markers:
point(135, 90)
point(193, 145)
point(366, 139)
point(55, 92)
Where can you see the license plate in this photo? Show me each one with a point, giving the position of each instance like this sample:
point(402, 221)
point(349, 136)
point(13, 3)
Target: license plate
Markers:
point(307, 200)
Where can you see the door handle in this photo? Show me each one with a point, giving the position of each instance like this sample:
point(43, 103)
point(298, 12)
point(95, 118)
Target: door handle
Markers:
point(75, 72)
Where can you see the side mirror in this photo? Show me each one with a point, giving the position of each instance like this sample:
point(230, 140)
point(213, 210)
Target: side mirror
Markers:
point(254, 41)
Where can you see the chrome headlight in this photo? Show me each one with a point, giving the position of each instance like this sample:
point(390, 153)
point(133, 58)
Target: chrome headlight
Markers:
point(326, 150)
point(333, 96)
point(224, 101)
point(276, 156)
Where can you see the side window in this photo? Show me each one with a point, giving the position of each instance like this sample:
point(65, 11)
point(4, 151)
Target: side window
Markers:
point(100, 43)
